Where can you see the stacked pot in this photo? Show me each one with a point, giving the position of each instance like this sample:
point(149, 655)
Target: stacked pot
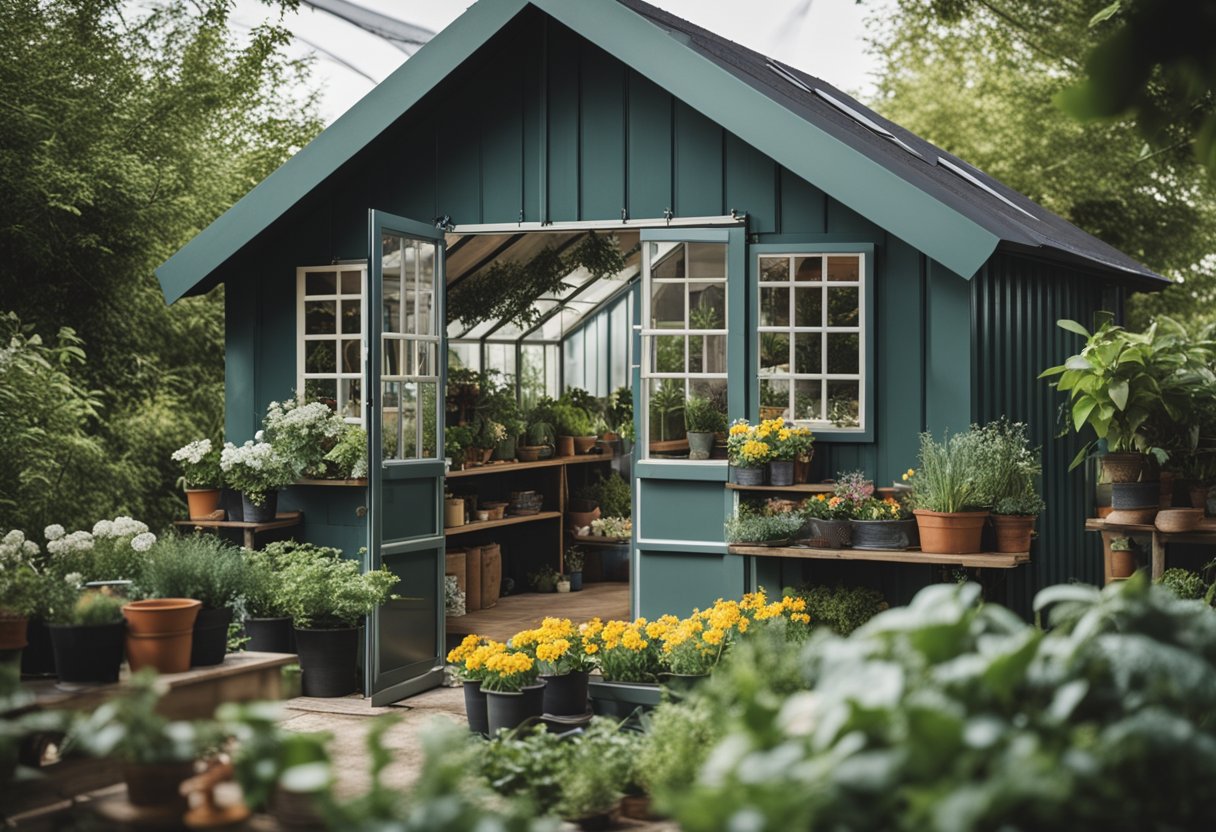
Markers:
point(1134, 500)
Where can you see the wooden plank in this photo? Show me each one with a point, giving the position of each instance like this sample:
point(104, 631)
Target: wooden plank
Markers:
point(511, 467)
point(356, 483)
point(1204, 534)
point(649, 149)
point(596, 540)
point(698, 164)
point(453, 531)
point(283, 520)
point(981, 560)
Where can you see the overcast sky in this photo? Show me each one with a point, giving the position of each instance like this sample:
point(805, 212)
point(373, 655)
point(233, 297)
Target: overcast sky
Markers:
point(826, 39)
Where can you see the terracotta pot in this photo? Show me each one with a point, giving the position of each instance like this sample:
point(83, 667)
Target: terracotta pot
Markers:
point(1104, 511)
point(1119, 564)
point(943, 533)
point(12, 631)
point(1132, 516)
point(157, 784)
point(203, 502)
point(1199, 495)
point(1013, 532)
point(637, 807)
point(1167, 479)
point(565, 446)
point(1178, 520)
point(528, 453)
point(159, 633)
point(578, 519)
point(1122, 467)
point(584, 444)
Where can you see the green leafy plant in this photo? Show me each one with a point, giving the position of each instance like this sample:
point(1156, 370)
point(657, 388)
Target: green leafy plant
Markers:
point(1006, 468)
point(666, 403)
point(129, 728)
point(571, 420)
point(94, 609)
point(528, 764)
point(199, 566)
point(677, 740)
point(619, 409)
point(574, 559)
point(701, 415)
point(455, 440)
point(348, 458)
point(946, 479)
point(544, 579)
point(611, 493)
point(841, 608)
point(751, 527)
point(321, 591)
point(1184, 583)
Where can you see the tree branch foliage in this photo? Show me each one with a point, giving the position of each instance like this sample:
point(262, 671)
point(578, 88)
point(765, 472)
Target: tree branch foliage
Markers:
point(125, 131)
point(980, 78)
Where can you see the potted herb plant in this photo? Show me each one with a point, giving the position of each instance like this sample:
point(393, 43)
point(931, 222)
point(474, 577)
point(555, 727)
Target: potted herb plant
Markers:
point(544, 579)
point(575, 434)
point(328, 598)
point(1121, 555)
point(258, 471)
point(754, 528)
point(207, 569)
point(949, 510)
point(575, 558)
point(703, 421)
point(747, 453)
point(883, 523)
point(157, 755)
point(456, 440)
point(539, 439)
point(786, 446)
point(87, 634)
point(201, 477)
point(1007, 470)
point(267, 619)
point(513, 693)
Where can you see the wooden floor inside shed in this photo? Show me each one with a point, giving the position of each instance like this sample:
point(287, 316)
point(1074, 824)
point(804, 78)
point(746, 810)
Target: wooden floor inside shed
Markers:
point(521, 612)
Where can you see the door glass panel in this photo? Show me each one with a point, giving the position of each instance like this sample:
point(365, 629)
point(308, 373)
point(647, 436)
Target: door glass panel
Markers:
point(390, 404)
point(706, 306)
point(409, 421)
point(843, 307)
point(808, 396)
point(320, 283)
point(807, 349)
point(426, 282)
point(774, 352)
point(808, 307)
point(671, 267)
point(352, 321)
point(428, 407)
point(706, 260)
point(667, 306)
point(352, 283)
point(350, 404)
point(715, 353)
point(776, 269)
point(319, 357)
point(666, 409)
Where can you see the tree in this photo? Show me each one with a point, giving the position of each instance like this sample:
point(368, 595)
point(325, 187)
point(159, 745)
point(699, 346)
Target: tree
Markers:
point(124, 133)
point(981, 80)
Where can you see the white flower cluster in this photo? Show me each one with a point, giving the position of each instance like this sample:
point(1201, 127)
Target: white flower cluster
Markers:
point(122, 526)
point(143, 541)
point(312, 418)
point(194, 453)
point(74, 542)
point(258, 457)
point(53, 532)
point(15, 549)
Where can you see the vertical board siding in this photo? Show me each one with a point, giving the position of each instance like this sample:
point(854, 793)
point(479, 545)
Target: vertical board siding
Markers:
point(1016, 302)
point(602, 172)
point(698, 164)
point(751, 185)
point(649, 164)
point(502, 147)
point(563, 119)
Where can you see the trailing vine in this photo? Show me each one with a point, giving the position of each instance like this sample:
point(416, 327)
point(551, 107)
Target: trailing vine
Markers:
point(507, 290)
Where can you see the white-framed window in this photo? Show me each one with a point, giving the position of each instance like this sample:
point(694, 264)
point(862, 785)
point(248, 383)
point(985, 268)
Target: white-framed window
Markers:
point(812, 339)
point(683, 337)
point(330, 311)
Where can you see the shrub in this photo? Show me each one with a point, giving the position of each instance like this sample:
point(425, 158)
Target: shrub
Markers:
point(842, 609)
point(198, 566)
point(571, 420)
point(325, 592)
point(115, 550)
point(348, 458)
point(701, 415)
point(611, 492)
point(1184, 583)
point(94, 609)
point(255, 469)
point(748, 527)
point(678, 738)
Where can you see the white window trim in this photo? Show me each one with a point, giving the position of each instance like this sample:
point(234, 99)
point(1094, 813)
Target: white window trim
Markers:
point(824, 377)
point(302, 338)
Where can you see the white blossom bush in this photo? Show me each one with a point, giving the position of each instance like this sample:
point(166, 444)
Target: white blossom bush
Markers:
point(303, 434)
point(255, 469)
point(18, 580)
point(200, 464)
point(115, 550)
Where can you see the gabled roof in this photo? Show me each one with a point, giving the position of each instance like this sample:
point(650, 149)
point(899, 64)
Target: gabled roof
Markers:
point(939, 204)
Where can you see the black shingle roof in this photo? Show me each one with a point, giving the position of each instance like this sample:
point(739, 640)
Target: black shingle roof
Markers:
point(1019, 222)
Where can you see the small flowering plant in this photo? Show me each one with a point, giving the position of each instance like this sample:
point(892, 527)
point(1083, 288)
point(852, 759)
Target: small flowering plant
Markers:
point(303, 434)
point(829, 507)
point(256, 469)
point(19, 582)
point(854, 486)
point(115, 550)
point(788, 441)
point(558, 647)
point(468, 660)
point(747, 445)
point(614, 528)
point(200, 464)
point(509, 671)
point(886, 508)
point(628, 651)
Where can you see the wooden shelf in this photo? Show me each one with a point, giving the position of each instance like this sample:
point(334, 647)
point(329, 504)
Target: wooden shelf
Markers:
point(596, 540)
point(360, 483)
point(1205, 533)
point(801, 488)
point(452, 531)
point(282, 520)
point(982, 560)
point(516, 467)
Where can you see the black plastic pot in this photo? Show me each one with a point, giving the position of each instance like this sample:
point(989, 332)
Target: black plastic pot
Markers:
point(232, 504)
point(328, 661)
point(270, 635)
point(38, 657)
point(885, 534)
point(510, 710)
point(264, 513)
point(837, 534)
point(1131, 495)
point(209, 644)
point(475, 708)
point(566, 695)
point(576, 581)
point(88, 654)
point(158, 784)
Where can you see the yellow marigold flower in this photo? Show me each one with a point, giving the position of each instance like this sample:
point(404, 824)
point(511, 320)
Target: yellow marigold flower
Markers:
point(801, 618)
point(763, 431)
point(713, 636)
point(735, 430)
point(784, 434)
point(591, 648)
point(743, 622)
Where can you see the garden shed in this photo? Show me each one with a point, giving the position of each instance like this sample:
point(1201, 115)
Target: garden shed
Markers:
point(778, 246)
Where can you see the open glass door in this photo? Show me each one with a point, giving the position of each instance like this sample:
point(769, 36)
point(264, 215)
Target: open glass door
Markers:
point(405, 381)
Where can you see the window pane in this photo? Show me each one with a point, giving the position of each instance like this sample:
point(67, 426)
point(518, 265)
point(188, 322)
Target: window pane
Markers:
point(707, 260)
point(807, 352)
point(774, 353)
point(843, 307)
point(321, 390)
point(843, 403)
point(669, 354)
point(774, 398)
point(320, 283)
point(319, 357)
point(667, 306)
point(808, 269)
point(408, 413)
point(666, 409)
point(713, 389)
point(808, 307)
point(427, 353)
point(775, 269)
point(463, 356)
point(350, 404)
point(352, 322)
point(319, 317)
point(707, 306)
point(352, 283)
point(671, 267)
point(426, 312)
point(808, 395)
point(774, 306)
point(390, 317)
point(844, 353)
point(392, 361)
point(715, 353)
point(844, 268)
point(429, 448)
point(352, 356)
point(426, 289)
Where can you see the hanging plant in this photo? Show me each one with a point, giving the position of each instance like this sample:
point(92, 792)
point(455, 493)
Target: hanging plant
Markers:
point(507, 290)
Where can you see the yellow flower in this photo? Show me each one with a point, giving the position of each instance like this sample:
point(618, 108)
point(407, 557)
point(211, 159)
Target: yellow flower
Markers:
point(784, 434)
point(743, 622)
point(736, 430)
point(591, 648)
point(713, 636)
